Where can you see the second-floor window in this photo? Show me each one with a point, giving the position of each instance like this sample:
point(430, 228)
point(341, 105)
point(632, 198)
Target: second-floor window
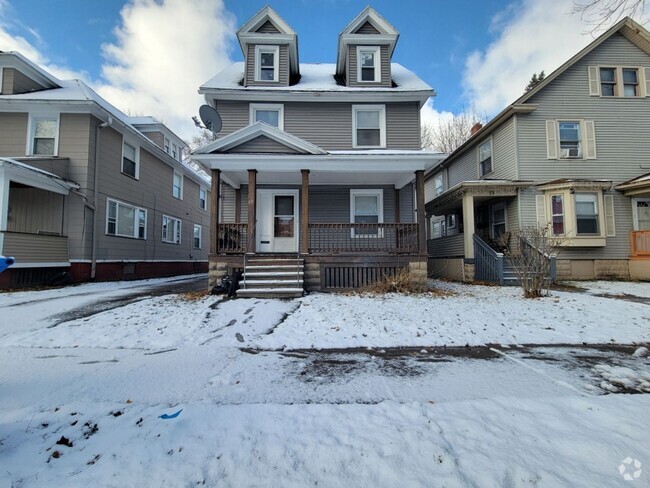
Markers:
point(368, 126)
point(266, 63)
point(45, 132)
point(485, 158)
point(171, 230)
point(438, 184)
point(129, 160)
point(269, 113)
point(368, 68)
point(570, 145)
point(177, 186)
point(203, 199)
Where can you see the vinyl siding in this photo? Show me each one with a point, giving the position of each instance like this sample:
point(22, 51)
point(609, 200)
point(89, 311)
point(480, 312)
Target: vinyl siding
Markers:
point(268, 28)
point(446, 247)
point(15, 82)
point(622, 145)
point(329, 125)
point(228, 204)
point(367, 28)
point(263, 144)
point(34, 211)
point(157, 138)
point(407, 204)
point(386, 80)
point(31, 248)
point(283, 68)
point(13, 134)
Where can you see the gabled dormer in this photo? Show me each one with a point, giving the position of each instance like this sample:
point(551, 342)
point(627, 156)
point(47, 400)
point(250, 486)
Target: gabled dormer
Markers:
point(270, 48)
point(365, 51)
point(19, 75)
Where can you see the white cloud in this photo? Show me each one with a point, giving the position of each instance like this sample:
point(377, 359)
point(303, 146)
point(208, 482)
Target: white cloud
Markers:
point(162, 53)
point(431, 116)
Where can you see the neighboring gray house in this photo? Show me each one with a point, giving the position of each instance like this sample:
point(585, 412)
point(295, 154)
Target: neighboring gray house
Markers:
point(322, 163)
point(572, 155)
point(89, 191)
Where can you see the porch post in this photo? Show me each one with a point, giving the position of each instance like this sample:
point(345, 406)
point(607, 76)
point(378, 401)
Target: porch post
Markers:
point(214, 209)
point(397, 209)
point(419, 194)
point(4, 206)
point(252, 207)
point(238, 205)
point(304, 216)
point(468, 225)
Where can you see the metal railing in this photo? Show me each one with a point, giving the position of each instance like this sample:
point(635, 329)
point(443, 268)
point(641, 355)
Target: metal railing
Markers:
point(248, 250)
point(232, 238)
point(640, 243)
point(349, 237)
point(488, 264)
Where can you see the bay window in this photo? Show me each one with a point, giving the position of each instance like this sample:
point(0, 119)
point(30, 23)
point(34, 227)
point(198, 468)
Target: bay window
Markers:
point(586, 206)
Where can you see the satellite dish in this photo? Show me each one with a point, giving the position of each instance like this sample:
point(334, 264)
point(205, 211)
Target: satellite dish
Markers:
point(210, 118)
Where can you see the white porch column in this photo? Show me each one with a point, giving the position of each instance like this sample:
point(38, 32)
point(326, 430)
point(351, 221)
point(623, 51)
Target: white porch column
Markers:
point(4, 206)
point(468, 225)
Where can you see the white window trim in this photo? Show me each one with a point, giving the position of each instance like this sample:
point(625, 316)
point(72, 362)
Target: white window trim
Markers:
point(32, 119)
point(582, 132)
point(478, 157)
point(197, 226)
point(377, 54)
point(137, 158)
point(382, 125)
point(279, 107)
point(136, 227)
point(1, 78)
point(176, 221)
point(180, 196)
point(435, 184)
point(166, 145)
point(263, 48)
point(620, 85)
point(365, 192)
point(635, 211)
point(204, 206)
point(571, 236)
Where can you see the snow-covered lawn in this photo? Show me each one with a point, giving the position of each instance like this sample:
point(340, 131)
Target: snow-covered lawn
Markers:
point(264, 416)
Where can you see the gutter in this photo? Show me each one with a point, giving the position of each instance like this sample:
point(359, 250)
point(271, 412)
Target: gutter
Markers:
point(93, 252)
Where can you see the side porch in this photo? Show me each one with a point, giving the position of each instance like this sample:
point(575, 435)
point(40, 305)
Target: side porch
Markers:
point(638, 190)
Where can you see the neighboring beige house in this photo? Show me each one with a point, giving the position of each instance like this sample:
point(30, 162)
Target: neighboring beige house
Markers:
point(572, 156)
point(87, 192)
point(322, 163)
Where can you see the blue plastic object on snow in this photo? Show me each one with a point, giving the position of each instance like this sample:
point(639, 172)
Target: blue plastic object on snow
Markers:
point(5, 263)
point(172, 416)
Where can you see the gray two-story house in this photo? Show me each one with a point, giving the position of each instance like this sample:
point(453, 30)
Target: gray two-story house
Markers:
point(322, 164)
point(570, 156)
point(87, 192)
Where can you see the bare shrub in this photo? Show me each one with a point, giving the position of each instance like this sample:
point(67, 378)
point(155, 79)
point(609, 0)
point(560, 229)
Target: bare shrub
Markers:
point(531, 261)
point(403, 282)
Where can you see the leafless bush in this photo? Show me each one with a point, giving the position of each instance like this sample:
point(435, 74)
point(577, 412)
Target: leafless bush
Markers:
point(531, 260)
point(403, 282)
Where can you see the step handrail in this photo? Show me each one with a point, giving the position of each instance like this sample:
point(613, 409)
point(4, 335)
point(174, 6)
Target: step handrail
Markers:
point(248, 247)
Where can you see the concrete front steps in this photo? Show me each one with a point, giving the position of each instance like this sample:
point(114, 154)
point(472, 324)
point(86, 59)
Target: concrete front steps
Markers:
point(272, 277)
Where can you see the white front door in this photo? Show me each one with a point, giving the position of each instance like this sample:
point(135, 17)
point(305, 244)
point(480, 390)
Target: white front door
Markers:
point(277, 221)
point(641, 211)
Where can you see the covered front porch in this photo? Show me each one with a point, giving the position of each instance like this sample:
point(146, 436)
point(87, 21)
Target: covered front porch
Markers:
point(638, 190)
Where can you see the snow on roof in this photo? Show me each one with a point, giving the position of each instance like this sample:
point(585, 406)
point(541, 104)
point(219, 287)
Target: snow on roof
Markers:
point(144, 120)
point(316, 77)
point(391, 152)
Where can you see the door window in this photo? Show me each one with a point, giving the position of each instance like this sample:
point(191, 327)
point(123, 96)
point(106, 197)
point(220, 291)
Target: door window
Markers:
point(498, 220)
point(283, 221)
point(643, 214)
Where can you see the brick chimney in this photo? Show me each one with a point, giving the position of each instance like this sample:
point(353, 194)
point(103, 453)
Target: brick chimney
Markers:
point(475, 128)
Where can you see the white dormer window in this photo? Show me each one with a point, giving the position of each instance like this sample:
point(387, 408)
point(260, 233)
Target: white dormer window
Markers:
point(368, 64)
point(174, 151)
point(266, 63)
point(270, 113)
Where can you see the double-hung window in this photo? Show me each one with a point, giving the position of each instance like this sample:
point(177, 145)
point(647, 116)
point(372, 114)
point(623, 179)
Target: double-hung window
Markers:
point(630, 82)
point(557, 214)
point(617, 81)
point(366, 207)
point(587, 214)
point(608, 82)
point(166, 145)
point(368, 64)
point(45, 133)
point(485, 158)
point(177, 186)
point(171, 230)
point(203, 199)
point(438, 184)
point(197, 237)
point(125, 220)
point(368, 126)
point(129, 160)
point(570, 144)
point(174, 151)
point(269, 113)
point(266, 63)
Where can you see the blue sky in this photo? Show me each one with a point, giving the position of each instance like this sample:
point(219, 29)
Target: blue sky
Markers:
point(149, 56)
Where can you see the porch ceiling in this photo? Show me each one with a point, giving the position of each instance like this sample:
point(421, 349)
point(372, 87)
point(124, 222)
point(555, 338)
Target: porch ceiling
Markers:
point(482, 190)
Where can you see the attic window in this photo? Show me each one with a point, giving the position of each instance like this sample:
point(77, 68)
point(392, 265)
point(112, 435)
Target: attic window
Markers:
point(368, 60)
point(266, 63)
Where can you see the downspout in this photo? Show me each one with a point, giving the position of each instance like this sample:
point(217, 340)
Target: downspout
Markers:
point(93, 252)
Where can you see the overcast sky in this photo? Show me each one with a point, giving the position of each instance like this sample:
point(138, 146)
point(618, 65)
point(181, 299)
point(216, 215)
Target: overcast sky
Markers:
point(148, 57)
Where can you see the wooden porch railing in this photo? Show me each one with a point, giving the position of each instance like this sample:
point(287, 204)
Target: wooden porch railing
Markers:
point(488, 264)
point(347, 237)
point(640, 243)
point(231, 238)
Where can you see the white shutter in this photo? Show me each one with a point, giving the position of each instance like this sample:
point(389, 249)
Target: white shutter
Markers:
point(590, 140)
point(646, 76)
point(593, 81)
point(551, 140)
point(610, 226)
point(540, 204)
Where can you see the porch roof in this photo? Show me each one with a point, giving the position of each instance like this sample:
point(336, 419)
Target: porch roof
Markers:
point(31, 176)
point(480, 190)
point(636, 186)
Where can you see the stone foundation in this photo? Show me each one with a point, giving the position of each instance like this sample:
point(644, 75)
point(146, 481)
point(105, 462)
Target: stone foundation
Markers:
point(593, 269)
point(640, 269)
point(468, 269)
